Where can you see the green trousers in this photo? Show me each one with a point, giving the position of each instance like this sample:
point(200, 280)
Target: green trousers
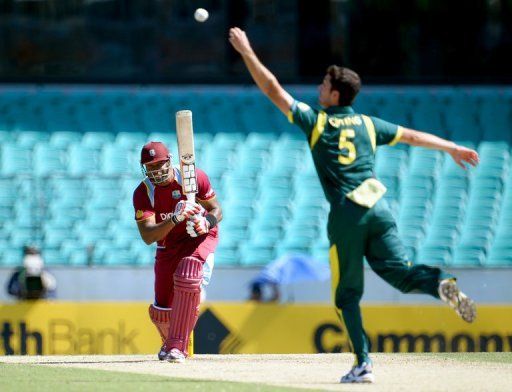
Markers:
point(355, 232)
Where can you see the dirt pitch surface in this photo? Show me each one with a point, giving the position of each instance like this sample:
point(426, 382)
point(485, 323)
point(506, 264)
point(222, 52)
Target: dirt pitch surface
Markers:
point(393, 372)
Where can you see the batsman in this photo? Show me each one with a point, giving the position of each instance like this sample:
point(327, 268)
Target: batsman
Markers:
point(186, 234)
point(360, 224)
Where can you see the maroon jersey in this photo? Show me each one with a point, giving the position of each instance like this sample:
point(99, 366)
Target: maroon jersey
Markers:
point(161, 201)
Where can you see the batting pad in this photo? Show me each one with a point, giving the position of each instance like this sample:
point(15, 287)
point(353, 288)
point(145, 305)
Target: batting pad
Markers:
point(161, 318)
point(185, 304)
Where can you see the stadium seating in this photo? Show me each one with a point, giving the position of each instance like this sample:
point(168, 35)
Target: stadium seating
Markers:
point(69, 165)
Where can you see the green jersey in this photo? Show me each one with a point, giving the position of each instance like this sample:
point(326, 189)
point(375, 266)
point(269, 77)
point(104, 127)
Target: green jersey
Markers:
point(343, 145)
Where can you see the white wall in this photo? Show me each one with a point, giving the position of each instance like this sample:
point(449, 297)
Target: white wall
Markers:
point(136, 284)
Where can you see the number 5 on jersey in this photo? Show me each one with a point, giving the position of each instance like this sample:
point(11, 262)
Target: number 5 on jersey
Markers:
point(345, 144)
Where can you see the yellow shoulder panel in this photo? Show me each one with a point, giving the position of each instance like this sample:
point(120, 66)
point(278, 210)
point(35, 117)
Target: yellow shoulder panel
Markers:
point(318, 129)
point(371, 131)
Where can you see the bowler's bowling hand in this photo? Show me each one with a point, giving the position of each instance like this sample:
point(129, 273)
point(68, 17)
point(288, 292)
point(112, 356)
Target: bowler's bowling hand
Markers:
point(240, 42)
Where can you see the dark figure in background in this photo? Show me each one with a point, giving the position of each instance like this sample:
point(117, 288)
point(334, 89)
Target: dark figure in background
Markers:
point(32, 281)
point(257, 292)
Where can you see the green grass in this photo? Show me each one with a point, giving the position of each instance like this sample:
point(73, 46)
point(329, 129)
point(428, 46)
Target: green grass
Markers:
point(20, 378)
point(478, 357)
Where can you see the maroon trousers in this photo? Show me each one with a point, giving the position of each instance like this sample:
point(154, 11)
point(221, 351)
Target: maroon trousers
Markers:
point(167, 260)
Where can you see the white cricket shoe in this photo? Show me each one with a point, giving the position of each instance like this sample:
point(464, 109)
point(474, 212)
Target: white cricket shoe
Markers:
point(463, 305)
point(175, 356)
point(359, 374)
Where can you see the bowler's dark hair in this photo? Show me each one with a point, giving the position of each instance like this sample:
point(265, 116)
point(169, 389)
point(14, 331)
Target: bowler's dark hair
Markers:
point(346, 82)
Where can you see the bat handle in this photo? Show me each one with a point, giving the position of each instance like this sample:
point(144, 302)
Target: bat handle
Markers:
point(191, 197)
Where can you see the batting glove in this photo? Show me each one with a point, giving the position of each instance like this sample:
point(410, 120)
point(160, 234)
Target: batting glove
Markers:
point(184, 210)
point(197, 225)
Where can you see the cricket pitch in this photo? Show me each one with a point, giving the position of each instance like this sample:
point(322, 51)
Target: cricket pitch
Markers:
point(393, 372)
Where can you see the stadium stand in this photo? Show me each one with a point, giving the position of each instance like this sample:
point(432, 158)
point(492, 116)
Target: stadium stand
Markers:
point(69, 165)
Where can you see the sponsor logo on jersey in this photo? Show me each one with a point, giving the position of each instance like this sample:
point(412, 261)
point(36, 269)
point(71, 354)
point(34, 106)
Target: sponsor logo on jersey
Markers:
point(176, 194)
point(165, 215)
point(139, 214)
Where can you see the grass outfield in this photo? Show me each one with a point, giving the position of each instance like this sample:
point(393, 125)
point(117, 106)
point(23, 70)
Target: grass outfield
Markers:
point(475, 357)
point(451, 372)
point(34, 378)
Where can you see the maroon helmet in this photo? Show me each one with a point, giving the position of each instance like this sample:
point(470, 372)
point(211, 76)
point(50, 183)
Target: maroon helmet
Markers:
point(154, 152)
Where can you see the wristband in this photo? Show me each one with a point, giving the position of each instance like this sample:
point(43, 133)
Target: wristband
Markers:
point(175, 219)
point(212, 220)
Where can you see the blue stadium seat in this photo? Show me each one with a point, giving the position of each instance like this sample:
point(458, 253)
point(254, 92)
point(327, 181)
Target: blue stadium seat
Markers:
point(54, 235)
point(89, 235)
point(467, 257)
point(284, 249)
point(29, 139)
point(202, 138)
point(433, 255)
point(6, 136)
point(8, 192)
point(100, 185)
point(83, 160)
point(143, 255)
point(226, 255)
point(124, 236)
point(500, 254)
point(128, 184)
point(257, 141)
point(49, 160)
point(76, 254)
point(251, 255)
point(11, 257)
point(119, 257)
point(131, 140)
point(446, 215)
point(15, 159)
point(97, 140)
point(390, 161)
point(320, 253)
point(23, 236)
point(53, 256)
point(65, 184)
point(63, 139)
point(265, 238)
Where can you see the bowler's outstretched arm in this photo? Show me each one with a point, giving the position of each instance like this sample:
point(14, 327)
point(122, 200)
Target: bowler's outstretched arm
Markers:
point(459, 153)
point(264, 79)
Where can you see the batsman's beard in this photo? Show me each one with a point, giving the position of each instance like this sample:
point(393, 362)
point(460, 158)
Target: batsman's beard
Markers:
point(160, 175)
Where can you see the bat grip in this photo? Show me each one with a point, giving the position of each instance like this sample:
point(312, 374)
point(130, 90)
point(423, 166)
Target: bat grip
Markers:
point(191, 197)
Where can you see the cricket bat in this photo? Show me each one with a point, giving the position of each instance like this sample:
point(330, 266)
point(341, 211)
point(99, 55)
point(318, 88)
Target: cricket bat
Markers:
point(187, 156)
point(185, 133)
